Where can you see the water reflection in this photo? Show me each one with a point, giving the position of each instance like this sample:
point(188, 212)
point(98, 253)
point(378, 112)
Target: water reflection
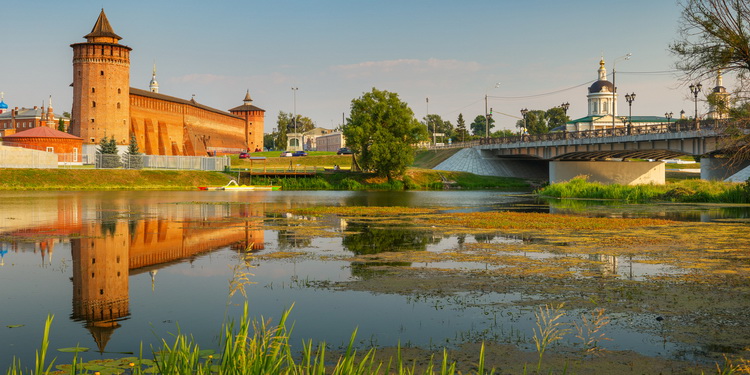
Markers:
point(111, 240)
point(365, 238)
point(668, 211)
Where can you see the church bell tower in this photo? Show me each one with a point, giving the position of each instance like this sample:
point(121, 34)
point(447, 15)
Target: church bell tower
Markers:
point(101, 87)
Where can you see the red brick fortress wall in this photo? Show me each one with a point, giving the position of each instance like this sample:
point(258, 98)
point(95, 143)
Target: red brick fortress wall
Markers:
point(165, 125)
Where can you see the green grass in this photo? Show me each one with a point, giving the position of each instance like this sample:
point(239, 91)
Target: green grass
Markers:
point(248, 347)
point(431, 158)
point(690, 190)
point(107, 179)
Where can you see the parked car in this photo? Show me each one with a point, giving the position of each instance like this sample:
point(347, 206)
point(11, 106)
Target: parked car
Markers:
point(344, 151)
point(286, 154)
point(244, 155)
point(299, 153)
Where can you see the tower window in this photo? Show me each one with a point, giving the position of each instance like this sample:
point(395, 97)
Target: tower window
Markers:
point(118, 91)
point(93, 104)
point(101, 73)
point(93, 90)
point(118, 105)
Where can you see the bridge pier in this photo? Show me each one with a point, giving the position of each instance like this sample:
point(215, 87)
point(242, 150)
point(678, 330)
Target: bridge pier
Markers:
point(609, 172)
point(713, 168)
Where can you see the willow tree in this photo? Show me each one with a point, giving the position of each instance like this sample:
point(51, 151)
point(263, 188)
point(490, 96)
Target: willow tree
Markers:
point(382, 132)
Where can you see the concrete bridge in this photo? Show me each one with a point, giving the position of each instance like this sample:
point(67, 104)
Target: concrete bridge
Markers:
point(605, 155)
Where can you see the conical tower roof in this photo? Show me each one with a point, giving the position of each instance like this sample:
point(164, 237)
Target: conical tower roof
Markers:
point(102, 28)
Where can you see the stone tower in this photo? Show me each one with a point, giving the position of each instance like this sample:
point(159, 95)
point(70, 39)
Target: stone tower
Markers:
point(101, 87)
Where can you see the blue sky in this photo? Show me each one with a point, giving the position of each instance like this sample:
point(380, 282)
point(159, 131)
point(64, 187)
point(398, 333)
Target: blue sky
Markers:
point(452, 52)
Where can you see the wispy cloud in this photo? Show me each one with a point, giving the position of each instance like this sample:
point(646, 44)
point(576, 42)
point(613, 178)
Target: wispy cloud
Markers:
point(412, 66)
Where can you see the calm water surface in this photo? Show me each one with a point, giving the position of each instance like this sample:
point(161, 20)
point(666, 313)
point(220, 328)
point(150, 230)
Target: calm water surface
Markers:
point(120, 268)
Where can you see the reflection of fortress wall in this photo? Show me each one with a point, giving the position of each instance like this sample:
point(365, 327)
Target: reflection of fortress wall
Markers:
point(160, 241)
point(100, 273)
point(59, 216)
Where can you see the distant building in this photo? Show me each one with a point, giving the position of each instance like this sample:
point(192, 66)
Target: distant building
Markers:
point(719, 101)
point(331, 141)
point(20, 119)
point(602, 107)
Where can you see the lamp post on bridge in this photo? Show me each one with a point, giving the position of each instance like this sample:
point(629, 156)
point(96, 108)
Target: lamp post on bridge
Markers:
point(668, 115)
point(565, 107)
point(523, 131)
point(695, 89)
point(630, 99)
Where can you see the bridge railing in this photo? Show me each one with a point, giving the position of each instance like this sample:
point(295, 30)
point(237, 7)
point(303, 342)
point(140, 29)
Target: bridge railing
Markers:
point(670, 127)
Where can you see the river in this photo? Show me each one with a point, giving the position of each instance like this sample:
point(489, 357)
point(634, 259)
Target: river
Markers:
point(117, 269)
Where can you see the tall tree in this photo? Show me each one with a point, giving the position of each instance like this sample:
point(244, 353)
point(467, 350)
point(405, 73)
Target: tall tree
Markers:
point(535, 122)
point(556, 117)
point(479, 126)
point(132, 157)
point(461, 132)
point(381, 130)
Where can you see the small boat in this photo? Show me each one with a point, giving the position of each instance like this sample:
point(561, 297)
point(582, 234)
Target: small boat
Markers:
point(234, 186)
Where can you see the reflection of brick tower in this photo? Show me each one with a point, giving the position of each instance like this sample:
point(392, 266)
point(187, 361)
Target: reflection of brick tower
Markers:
point(101, 87)
point(100, 278)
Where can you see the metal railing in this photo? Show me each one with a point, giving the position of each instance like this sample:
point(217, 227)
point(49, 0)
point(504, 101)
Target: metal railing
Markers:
point(671, 127)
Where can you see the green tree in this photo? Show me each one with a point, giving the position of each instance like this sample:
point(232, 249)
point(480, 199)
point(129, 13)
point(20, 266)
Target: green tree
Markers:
point(534, 123)
point(381, 130)
point(435, 123)
point(108, 153)
point(556, 117)
point(269, 140)
point(132, 158)
point(479, 126)
point(61, 125)
point(461, 132)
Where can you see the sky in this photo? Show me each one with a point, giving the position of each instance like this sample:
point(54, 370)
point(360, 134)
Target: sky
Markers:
point(541, 52)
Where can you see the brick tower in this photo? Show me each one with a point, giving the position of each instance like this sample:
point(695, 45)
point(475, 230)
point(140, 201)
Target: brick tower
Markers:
point(101, 87)
point(254, 122)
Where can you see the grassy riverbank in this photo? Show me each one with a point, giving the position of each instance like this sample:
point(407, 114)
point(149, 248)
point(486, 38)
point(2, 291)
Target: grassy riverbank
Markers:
point(694, 191)
point(120, 179)
point(107, 179)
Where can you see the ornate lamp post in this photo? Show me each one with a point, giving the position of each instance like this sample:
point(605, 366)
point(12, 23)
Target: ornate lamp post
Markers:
point(565, 107)
point(668, 115)
point(523, 113)
point(630, 99)
point(695, 89)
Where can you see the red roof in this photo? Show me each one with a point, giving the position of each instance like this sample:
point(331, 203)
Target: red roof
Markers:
point(42, 132)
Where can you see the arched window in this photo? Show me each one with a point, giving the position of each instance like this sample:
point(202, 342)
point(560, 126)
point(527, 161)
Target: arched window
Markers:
point(93, 90)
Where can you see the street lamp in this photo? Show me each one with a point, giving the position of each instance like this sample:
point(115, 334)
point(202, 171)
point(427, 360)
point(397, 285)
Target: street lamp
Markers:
point(565, 107)
point(614, 88)
point(486, 117)
point(668, 115)
point(523, 113)
point(695, 89)
point(630, 99)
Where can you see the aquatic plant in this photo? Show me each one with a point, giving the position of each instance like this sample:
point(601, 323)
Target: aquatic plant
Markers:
point(549, 329)
point(589, 331)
